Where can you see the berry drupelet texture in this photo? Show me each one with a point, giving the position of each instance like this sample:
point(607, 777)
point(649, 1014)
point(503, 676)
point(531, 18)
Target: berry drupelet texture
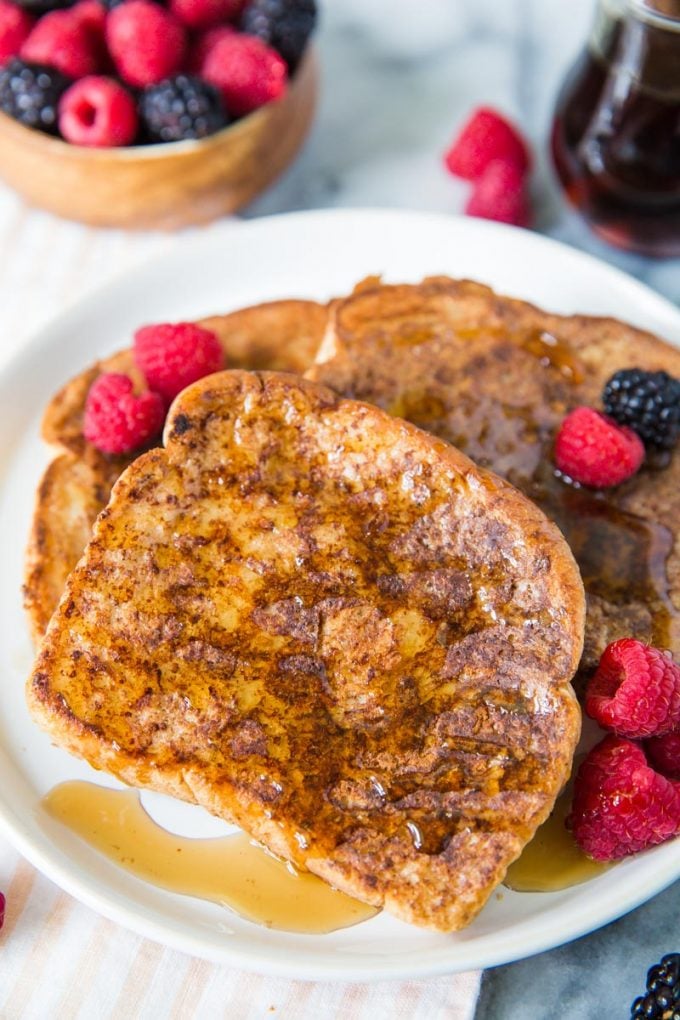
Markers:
point(179, 108)
point(662, 997)
point(648, 403)
point(31, 92)
point(595, 450)
point(173, 355)
point(285, 25)
point(635, 690)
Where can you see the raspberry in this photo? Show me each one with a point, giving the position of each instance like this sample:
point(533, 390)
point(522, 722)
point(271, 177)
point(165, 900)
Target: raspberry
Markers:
point(179, 108)
point(635, 691)
point(648, 402)
point(487, 136)
point(664, 753)
point(592, 449)
point(172, 356)
point(116, 421)
point(31, 92)
point(499, 194)
point(146, 42)
point(203, 44)
point(15, 27)
point(92, 14)
point(205, 13)
point(62, 40)
point(285, 25)
point(246, 71)
point(621, 805)
point(98, 112)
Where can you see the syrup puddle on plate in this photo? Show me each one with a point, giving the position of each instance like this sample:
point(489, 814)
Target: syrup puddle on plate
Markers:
point(232, 870)
point(552, 860)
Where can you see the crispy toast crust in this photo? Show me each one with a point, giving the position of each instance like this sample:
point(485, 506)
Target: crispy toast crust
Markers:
point(332, 629)
point(495, 376)
point(281, 335)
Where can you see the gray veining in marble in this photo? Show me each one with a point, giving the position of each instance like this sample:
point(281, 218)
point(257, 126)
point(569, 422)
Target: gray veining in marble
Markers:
point(399, 77)
point(595, 978)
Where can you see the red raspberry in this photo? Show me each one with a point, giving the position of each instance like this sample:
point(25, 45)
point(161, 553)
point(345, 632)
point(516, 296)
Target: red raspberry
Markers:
point(15, 27)
point(172, 356)
point(635, 691)
point(487, 136)
point(97, 112)
point(93, 15)
point(116, 421)
point(202, 46)
point(205, 13)
point(664, 754)
point(592, 449)
point(147, 43)
point(499, 194)
point(621, 805)
point(62, 40)
point(247, 72)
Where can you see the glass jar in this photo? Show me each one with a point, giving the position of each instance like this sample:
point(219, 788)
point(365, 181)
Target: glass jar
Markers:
point(616, 132)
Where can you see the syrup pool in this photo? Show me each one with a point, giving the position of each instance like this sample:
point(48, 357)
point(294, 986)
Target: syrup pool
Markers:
point(232, 871)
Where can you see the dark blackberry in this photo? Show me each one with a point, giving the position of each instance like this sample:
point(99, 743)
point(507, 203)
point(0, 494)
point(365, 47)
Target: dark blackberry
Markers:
point(648, 403)
point(42, 6)
point(30, 93)
point(179, 108)
point(285, 25)
point(662, 998)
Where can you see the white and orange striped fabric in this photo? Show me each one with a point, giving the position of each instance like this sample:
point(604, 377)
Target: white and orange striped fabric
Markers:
point(58, 959)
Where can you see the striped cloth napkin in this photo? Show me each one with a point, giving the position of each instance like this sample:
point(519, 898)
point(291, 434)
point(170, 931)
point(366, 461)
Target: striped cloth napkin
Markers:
point(57, 958)
point(60, 960)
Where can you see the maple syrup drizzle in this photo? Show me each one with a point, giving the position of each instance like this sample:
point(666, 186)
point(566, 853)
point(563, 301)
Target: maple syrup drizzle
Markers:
point(552, 860)
point(232, 871)
point(622, 557)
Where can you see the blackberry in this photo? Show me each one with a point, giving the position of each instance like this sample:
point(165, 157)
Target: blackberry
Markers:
point(42, 6)
point(648, 403)
point(662, 998)
point(31, 92)
point(285, 25)
point(179, 108)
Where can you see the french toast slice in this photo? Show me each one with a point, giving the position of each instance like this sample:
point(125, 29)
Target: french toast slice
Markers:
point(332, 629)
point(495, 376)
point(281, 335)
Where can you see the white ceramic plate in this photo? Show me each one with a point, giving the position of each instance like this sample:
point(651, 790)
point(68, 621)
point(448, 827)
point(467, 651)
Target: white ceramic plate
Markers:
point(312, 255)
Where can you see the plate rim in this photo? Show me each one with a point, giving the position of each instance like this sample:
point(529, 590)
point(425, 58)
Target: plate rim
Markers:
point(273, 960)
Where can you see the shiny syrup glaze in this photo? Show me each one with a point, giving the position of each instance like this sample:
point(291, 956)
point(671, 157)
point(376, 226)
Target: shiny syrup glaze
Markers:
point(232, 871)
point(622, 557)
point(552, 860)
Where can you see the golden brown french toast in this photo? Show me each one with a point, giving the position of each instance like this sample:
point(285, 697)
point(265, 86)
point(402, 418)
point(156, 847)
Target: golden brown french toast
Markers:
point(281, 335)
point(333, 629)
point(495, 377)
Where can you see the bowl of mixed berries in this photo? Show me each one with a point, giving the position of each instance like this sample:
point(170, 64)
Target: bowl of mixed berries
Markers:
point(152, 113)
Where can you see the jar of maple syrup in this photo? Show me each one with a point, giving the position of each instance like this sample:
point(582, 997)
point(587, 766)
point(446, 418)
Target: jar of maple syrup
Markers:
point(616, 133)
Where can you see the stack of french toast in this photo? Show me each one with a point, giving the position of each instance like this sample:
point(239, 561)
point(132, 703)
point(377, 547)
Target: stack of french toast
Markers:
point(341, 604)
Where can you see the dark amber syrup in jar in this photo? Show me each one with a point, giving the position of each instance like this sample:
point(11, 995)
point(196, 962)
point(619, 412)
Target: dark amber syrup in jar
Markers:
point(616, 133)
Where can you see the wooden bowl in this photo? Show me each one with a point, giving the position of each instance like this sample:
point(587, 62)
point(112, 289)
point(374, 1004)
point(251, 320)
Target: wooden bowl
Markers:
point(161, 186)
